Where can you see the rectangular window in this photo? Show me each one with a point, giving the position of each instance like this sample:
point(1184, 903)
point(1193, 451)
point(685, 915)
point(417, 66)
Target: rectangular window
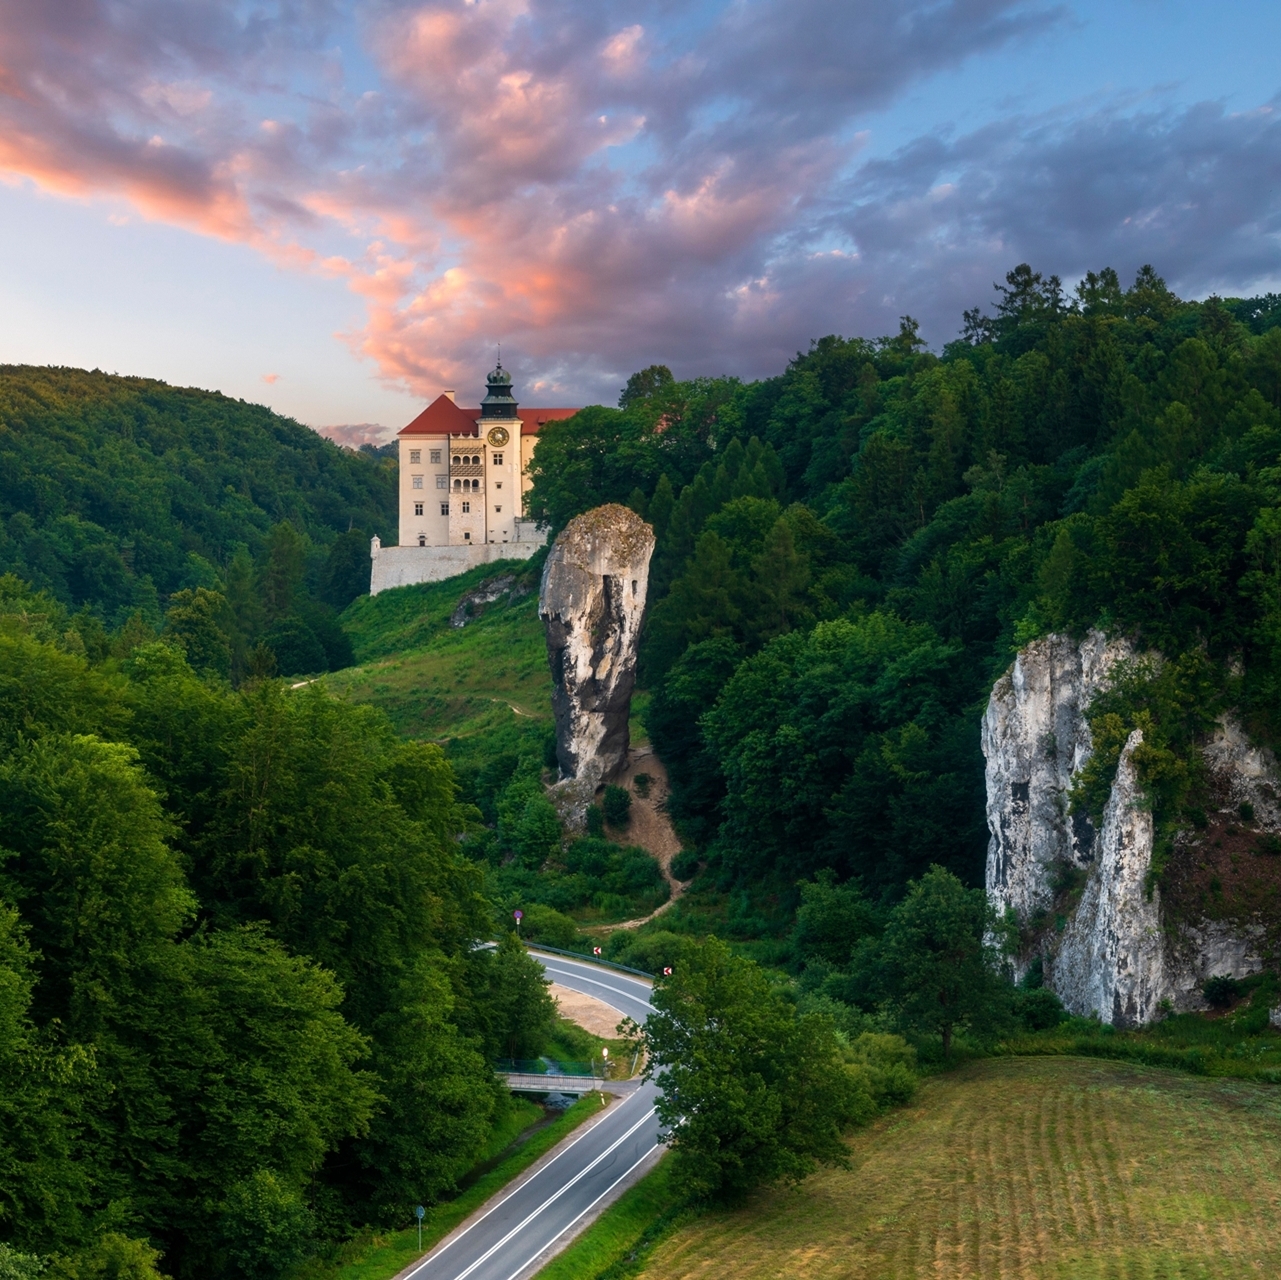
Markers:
point(418, 508)
point(498, 459)
point(418, 482)
point(498, 508)
point(498, 484)
point(442, 482)
point(466, 508)
point(444, 508)
point(435, 455)
point(415, 455)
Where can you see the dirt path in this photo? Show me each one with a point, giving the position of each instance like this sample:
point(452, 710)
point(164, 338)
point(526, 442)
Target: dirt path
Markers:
point(650, 827)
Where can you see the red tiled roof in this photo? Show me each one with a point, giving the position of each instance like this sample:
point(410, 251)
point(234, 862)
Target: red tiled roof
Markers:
point(532, 419)
point(444, 418)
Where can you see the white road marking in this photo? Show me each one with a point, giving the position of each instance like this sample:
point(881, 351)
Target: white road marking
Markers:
point(498, 1204)
point(586, 1211)
point(520, 1226)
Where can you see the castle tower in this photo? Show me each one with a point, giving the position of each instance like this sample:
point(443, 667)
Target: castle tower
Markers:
point(485, 470)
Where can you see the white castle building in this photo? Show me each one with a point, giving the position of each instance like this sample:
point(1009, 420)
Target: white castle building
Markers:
point(463, 480)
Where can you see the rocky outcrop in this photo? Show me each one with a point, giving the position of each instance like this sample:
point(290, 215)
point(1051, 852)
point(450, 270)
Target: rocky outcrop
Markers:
point(1035, 738)
point(1110, 951)
point(591, 602)
point(1111, 957)
point(475, 601)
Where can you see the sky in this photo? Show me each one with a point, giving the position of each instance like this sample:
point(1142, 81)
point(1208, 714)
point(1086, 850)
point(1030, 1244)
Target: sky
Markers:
point(340, 209)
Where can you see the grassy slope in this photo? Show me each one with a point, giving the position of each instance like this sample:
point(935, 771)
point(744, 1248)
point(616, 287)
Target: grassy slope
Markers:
point(1023, 1168)
point(437, 681)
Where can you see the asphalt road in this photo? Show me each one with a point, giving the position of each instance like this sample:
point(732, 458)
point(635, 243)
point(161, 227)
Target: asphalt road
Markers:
point(519, 1226)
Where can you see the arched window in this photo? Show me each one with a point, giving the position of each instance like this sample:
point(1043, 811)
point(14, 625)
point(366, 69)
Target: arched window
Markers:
point(458, 484)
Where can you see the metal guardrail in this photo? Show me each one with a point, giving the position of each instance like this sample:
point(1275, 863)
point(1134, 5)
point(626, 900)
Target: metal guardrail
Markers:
point(578, 955)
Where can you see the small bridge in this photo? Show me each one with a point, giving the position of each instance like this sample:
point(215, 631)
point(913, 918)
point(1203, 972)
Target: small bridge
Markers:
point(544, 1075)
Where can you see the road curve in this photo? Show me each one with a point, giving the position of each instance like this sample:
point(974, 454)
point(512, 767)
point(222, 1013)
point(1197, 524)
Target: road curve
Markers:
point(512, 1234)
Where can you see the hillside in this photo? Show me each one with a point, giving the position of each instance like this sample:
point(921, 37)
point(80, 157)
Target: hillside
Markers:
point(1023, 1168)
point(116, 492)
point(439, 681)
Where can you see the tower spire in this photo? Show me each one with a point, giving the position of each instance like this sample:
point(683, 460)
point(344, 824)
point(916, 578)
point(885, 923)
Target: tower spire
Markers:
point(498, 401)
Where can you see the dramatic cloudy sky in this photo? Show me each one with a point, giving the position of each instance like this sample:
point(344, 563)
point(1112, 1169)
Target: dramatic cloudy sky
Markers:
point(339, 207)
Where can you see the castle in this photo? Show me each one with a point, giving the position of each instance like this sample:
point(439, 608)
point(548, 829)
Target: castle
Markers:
point(463, 479)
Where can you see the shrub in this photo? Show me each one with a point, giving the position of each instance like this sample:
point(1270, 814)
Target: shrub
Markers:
point(617, 804)
point(546, 924)
point(651, 952)
point(1246, 810)
point(1039, 1009)
point(684, 865)
point(265, 1226)
point(1221, 991)
point(19, 1266)
point(595, 822)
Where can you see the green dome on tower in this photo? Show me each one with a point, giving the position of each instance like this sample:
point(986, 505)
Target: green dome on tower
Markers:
point(498, 401)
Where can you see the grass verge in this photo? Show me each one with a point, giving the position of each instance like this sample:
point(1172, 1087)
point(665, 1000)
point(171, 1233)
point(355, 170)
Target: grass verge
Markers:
point(1239, 1043)
point(1024, 1169)
point(624, 1235)
point(380, 1256)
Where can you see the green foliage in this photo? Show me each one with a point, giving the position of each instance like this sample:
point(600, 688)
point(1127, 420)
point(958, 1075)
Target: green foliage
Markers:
point(193, 621)
point(15, 1265)
point(265, 1226)
point(752, 1092)
point(684, 866)
point(849, 746)
point(121, 491)
point(616, 805)
point(545, 924)
point(240, 1005)
point(524, 1007)
point(295, 647)
point(938, 971)
point(832, 920)
point(112, 1256)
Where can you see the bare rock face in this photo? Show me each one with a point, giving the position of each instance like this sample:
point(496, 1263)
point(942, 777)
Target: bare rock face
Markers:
point(1115, 956)
point(591, 602)
point(1035, 738)
point(1111, 959)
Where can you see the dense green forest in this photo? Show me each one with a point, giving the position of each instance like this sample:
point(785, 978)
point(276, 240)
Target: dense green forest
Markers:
point(119, 494)
point(848, 555)
point(242, 1012)
point(241, 1007)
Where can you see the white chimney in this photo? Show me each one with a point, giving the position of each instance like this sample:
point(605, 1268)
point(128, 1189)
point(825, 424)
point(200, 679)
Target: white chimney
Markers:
point(450, 394)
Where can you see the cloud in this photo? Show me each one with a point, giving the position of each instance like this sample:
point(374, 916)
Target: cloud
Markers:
point(601, 185)
point(352, 435)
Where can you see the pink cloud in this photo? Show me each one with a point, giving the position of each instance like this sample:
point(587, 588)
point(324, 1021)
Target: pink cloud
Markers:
point(588, 183)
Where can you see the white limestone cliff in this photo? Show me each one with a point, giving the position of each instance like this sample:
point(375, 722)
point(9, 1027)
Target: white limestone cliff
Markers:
point(592, 601)
point(1115, 957)
point(1111, 957)
point(1035, 738)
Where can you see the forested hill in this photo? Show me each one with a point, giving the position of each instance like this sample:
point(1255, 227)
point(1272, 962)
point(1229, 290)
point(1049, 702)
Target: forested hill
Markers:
point(117, 492)
point(849, 553)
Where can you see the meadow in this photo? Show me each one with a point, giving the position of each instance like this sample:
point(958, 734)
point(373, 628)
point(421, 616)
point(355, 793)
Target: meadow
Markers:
point(1019, 1168)
point(442, 682)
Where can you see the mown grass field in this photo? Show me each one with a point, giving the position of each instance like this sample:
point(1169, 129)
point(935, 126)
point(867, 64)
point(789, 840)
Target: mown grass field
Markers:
point(1028, 1167)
